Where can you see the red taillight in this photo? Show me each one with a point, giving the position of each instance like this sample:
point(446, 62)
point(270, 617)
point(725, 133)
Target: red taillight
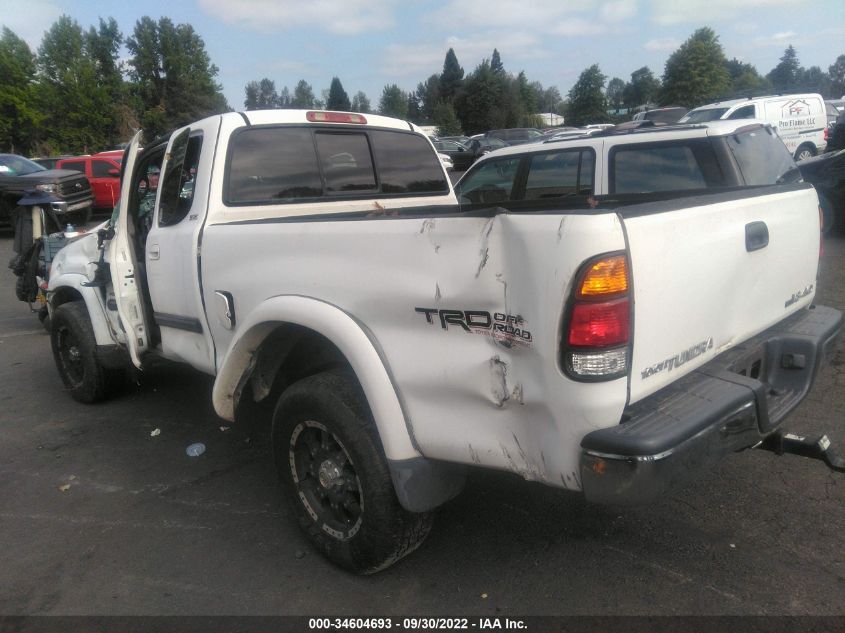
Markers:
point(335, 117)
point(599, 324)
point(826, 134)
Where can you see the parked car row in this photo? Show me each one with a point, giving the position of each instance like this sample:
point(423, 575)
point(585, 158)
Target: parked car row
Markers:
point(102, 171)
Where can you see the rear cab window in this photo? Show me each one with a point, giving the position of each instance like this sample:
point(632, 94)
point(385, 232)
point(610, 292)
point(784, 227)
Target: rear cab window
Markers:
point(664, 166)
point(75, 165)
point(288, 164)
point(762, 157)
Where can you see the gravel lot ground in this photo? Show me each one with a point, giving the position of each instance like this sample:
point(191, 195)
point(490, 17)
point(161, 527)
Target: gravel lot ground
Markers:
point(143, 529)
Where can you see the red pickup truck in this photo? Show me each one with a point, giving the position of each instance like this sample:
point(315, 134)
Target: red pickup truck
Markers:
point(103, 171)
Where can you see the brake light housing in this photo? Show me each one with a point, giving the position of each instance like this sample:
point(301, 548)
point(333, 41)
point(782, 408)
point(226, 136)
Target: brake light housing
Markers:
point(595, 342)
point(319, 116)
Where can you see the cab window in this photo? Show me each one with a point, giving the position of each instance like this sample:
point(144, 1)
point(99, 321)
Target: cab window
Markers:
point(75, 165)
point(560, 174)
point(346, 161)
point(101, 169)
point(745, 112)
point(177, 192)
point(491, 183)
point(663, 167)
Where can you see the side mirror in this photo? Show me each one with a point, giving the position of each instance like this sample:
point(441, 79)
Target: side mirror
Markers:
point(114, 172)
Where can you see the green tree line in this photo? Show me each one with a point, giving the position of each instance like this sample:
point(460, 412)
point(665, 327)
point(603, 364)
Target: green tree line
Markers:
point(75, 95)
point(698, 72)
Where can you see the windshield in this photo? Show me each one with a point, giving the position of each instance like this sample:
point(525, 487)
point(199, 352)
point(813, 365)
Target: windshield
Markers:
point(762, 157)
point(700, 116)
point(18, 165)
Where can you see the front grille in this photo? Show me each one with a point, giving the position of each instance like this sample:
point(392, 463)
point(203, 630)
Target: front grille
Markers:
point(75, 186)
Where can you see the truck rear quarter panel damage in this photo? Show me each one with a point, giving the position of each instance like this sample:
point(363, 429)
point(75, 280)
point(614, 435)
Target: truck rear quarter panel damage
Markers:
point(465, 313)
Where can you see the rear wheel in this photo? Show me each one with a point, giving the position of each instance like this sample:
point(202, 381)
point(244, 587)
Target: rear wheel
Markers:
point(75, 353)
point(335, 475)
point(804, 152)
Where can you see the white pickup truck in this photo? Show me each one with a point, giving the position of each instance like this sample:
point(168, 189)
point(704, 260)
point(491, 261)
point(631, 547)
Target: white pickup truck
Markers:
point(608, 315)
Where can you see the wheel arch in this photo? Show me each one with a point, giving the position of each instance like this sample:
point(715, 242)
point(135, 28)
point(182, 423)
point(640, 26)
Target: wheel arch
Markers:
point(275, 327)
point(70, 288)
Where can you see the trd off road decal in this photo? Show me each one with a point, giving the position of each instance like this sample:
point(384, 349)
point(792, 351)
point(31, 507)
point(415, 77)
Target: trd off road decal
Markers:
point(507, 329)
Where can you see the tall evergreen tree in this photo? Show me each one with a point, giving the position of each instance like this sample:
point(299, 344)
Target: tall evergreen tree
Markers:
point(393, 102)
point(303, 96)
point(496, 64)
point(360, 103)
point(787, 74)
point(337, 98)
point(586, 98)
point(695, 73)
point(479, 102)
point(452, 77)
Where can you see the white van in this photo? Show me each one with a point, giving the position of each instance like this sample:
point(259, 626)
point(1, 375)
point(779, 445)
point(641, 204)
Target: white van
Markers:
point(799, 120)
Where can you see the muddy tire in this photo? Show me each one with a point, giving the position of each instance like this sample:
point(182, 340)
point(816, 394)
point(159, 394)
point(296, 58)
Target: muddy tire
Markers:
point(335, 476)
point(75, 353)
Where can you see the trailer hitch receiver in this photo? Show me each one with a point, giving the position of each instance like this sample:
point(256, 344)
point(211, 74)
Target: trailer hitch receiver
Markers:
point(812, 447)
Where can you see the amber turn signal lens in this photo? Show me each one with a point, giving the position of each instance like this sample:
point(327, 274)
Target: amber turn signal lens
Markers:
point(606, 277)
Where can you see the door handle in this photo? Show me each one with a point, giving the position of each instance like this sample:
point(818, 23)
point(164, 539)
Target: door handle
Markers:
point(153, 251)
point(756, 236)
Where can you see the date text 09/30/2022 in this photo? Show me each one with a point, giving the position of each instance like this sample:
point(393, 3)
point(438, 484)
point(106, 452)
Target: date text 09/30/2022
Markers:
point(416, 624)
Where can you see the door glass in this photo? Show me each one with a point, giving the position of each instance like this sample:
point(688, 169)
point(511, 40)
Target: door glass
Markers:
point(101, 168)
point(177, 192)
point(491, 183)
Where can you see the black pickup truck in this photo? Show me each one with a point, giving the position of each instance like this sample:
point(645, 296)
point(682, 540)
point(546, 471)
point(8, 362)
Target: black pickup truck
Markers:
point(69, 191)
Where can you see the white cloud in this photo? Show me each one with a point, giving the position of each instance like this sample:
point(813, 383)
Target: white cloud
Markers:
point(29, 21)
point(706, 11)
point(618, 10)
point(574, 27)
point(341, 17)
point(507, 13)
point(419, 61)
point(666, 44)
point(783, 39)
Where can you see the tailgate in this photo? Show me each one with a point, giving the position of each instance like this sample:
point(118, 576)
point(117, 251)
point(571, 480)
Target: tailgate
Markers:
point(711, 271)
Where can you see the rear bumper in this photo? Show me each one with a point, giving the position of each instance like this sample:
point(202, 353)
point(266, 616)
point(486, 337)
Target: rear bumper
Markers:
point(731, 403)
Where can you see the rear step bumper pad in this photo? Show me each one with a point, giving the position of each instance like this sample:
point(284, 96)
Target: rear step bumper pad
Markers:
point(731, 403)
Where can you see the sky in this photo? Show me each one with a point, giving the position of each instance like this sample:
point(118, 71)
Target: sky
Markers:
point(371, 43)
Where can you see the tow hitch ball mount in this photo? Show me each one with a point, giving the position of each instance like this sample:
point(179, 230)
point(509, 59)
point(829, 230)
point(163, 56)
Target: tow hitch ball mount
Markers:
point(812, 447)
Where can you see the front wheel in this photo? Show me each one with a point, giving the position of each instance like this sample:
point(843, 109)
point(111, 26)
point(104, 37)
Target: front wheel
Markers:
point(75, 353)
point(335, 475)
point(804, 152)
